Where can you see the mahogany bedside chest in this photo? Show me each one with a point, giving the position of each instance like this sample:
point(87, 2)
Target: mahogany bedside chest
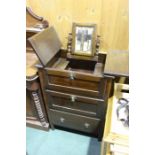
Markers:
point(74, 87)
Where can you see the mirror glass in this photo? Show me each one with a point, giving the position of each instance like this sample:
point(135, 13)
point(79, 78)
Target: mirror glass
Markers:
point(84, 39)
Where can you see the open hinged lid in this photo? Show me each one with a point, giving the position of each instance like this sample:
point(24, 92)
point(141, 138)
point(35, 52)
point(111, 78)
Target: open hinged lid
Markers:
point(46, 44)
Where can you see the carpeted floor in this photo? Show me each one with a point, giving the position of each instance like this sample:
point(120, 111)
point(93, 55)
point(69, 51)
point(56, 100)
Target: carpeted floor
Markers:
point(59, 142)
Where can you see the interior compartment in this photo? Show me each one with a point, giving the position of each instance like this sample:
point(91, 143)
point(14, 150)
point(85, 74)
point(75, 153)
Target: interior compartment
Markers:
point(81, 65)
point(84, 66)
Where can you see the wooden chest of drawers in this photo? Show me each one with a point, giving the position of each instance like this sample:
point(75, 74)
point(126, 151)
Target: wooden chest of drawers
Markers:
point(76, 103)
point(75, 91)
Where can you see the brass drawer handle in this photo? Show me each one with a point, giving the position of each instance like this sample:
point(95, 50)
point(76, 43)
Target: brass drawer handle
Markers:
point(71, 75)
point(73, 98)
point(87, 125)
point(62, 119)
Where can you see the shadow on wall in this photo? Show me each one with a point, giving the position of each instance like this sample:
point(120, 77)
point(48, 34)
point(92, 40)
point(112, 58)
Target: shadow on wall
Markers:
point(94, 147)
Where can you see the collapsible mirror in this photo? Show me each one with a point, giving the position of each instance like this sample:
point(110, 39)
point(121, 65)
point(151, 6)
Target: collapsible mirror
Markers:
point(83, 39)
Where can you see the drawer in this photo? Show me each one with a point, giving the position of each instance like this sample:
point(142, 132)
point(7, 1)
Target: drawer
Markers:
point(84, 84)
point(76, 104)
point(73, 121)
point(73, 75)
point(57, 80)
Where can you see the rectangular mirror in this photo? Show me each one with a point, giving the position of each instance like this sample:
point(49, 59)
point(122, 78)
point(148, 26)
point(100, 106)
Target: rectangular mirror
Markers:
point(84, 39)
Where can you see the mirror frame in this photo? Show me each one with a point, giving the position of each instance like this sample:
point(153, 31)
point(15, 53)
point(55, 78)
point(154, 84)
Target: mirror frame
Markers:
point(93, 49)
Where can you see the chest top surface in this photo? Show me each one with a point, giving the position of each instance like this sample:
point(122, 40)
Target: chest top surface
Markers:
point(117, 63)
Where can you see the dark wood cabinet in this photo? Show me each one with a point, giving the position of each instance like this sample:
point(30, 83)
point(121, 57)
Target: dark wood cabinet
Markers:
point(75, 89)
point(35, 108)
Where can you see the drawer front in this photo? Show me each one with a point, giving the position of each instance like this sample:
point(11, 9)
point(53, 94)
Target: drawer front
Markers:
point(79, 87)
point(75, 104)
point(83, 84)
point(73, 121)
point(73, 82)
point(73, 75)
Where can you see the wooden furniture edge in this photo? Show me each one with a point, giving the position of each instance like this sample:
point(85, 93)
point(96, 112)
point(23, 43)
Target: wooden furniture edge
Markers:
point(37, 125)
point(29, 10)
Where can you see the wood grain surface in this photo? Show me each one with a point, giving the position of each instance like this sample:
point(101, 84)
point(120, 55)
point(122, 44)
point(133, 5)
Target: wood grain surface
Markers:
point(117, 63)
point(111, 17)
point(31, 60)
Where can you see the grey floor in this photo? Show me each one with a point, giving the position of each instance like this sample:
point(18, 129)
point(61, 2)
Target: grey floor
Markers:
point(59, 142)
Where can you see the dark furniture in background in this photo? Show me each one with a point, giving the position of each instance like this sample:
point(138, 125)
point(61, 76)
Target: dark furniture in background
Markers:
point(117, 67)
point(35, 109)
point(34, 25)
point(74, 87)
point(117, 63)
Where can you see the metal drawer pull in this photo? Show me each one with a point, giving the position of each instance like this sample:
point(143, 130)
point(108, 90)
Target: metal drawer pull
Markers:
point(62, 119)
point(73, 98)
point(71, 75)
point(87, 125)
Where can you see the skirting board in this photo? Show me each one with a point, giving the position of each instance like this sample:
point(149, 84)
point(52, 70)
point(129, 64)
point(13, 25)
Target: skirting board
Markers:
point(37, 125)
